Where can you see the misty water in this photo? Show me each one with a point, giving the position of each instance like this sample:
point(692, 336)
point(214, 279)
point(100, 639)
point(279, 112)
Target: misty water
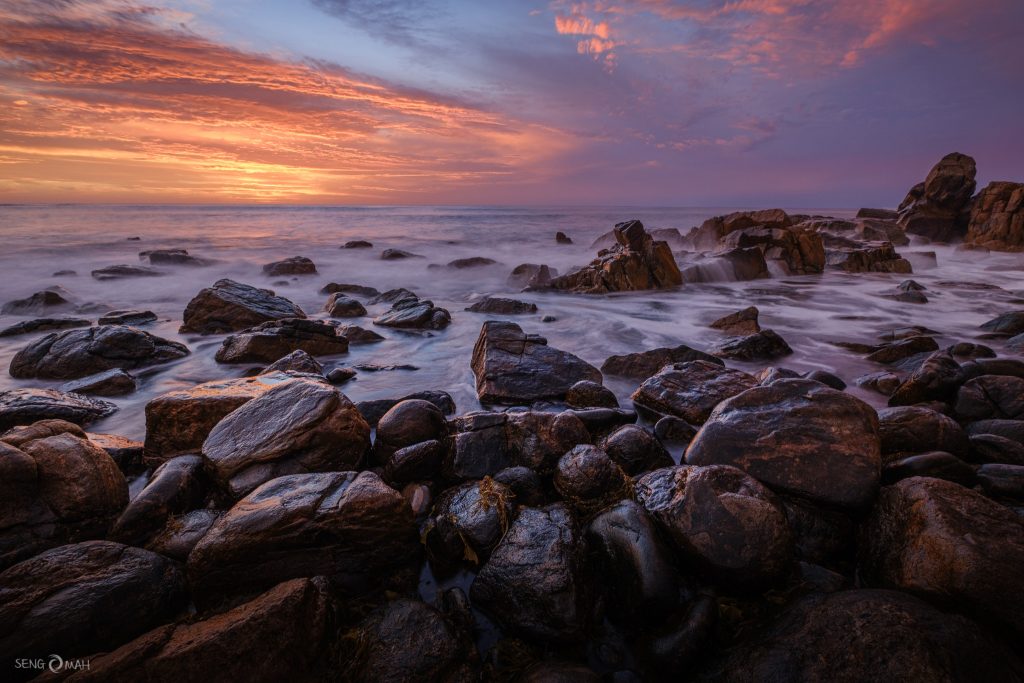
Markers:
point(965, 288)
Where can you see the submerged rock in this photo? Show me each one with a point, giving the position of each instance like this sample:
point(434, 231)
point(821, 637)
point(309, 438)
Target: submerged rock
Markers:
point(296, 265)
point(25, 406)
point(121, 272)
point(360, 290)
point(275, 339)
point(230, 306)
point(172, 257)
point(53, 299)
point(500, 306)
point(397, 255)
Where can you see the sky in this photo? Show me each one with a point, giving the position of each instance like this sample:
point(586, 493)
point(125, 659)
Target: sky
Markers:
point(801, 103)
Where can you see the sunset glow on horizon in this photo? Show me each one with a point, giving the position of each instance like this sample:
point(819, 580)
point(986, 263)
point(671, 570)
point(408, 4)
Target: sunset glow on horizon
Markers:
point(726, 102)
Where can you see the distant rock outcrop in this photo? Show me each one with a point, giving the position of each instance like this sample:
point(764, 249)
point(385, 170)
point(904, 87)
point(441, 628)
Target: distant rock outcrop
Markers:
point(939, 207)
point(997, 217)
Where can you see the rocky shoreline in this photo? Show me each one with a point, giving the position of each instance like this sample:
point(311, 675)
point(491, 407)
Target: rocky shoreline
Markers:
point(738, 520)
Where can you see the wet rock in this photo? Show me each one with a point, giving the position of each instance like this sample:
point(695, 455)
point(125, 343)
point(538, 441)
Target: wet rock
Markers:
point(637, 262)
point(77, 353)
point(128, 317)
point(533, 583)
point(685, 638)
point(471, 262)
point(641, 584)
point(357, 244)
point(340, 306)
point(866, 635)
point(646, 363)
point(909, 430)
point(123, 271)
point(634, 449)
point(372, 411)
point(904, 348)
point(884, 383)
point(230, 306)
point(468, 521)
point(340, 375)
point(126, 453)
point(709, 234)
point(525, 484)
point(820, 534)
point(499, 306)
point(360, 290)
point(177, 486)
point(512, 367)
point(938, 208)
point(407, 423)
point(917, 525)
point(826, 378)
point(411, 312)
point(480, 446)
point(296, 265)
point(180, 535)
point(937, 379)
point(936, 464)
point(991, 397)
point(301, 425)
point(674, 430)
point(538, 439)
point(1010, 429)
point(992, 448)
point(588, 394)
point(997, 218)
point(739, 323)
point(114, 382)
point(25, 406)
point(1006, 325)
point(876, 257)
point(358, 335)
point(282, 634)
point(531, 275)
point(296, 361)
point(52, 299)
point(589, 480)
point(737, 265)
point(970, 351)
point(600, 422)
point(764, 345)
point(797, 436)
point(794, 250)
point(350, 527)
point(172, 257)
point(397, 255)
point(691, 390)
point(1002, 482)
point(43, 325)
point(178, 422)
point(85, 598)
point(419, 462)
point(275, 339)
point(562, 238)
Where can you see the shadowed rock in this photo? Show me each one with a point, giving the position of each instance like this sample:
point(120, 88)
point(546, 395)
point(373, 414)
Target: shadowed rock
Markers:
point(121, 272)
point(275, 339)
point(229, 306)
point(643, 364)
point(43, 325)
point(500, 306)
point(296, 265)
point(939, 207)
point(25, 406)
point(114, 382)
point(410, 312)
point(177, 486)
point(128, 317)
point(763, 345)
point(997, 218)
point(691, 390)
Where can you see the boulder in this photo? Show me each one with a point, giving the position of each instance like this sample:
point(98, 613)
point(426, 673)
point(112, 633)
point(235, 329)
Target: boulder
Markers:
point(992, 448)
point(723, 521)
point(43, 325)
point(53, 299)
point(991, 397)
point(357, 244)
point(350, 527)
point(938, 208)
point(797, 436)
point(359, 335)
point(230, 306)
point(408, 423)
point(947, 543)
point(643, 364)
point(372, 411)
point(711, 231)
point(875, 257)
point(175, 487)
point(1002, 482)
point(123, 271)
point(77, 353)
point(341, 306)
point(937, 379)
point(562, 238)
point(531, 275)
point(533, 583)
point(126, 453)
point(85, 598)
point(893, 352)
point(127, 317)
point(635, 450)
point(397, 255)
point(910, 430)
point(419, 462)
point(997, 218)
point(360, 290)
point(764, 345)
point(172, 257)
point(297, 361)
point(299, 426)
point(739, 323)
point(590, 394)
point(793, 250)
point(637, 262)
point(589, 481)
point(513, 367)
point(296, 265)
point(275, 339)
point(1005, 325)
point(500, 306)
point(467, 522)
point(471, 262)
point(411, 312)
point(25, 406)
point(691, 390)
point(114, 382)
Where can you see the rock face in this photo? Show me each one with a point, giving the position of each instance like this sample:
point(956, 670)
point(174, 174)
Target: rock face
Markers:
point(533, 583)
point(273, 340)
point(500, 306)
point(281, 635)
point(948, 543)
point(350, 527)
point(55, 486)
point(77, 353)
point(229, 306)
point(25, 406)
point(794, 250)
point(513, 367)
point(85, 598)
point(643, 364)
point(797, 436)
point(178, 422)
point(691, 390)
point(937, 208)
point(867, 635)
point(410, 312)
point(637, 262)
point(997, 218)
point(296, 265)
point(299, 426)
point(722, 519)
point(708, 235)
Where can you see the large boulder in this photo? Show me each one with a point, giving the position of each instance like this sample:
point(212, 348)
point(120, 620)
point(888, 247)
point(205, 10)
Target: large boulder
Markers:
point(636, 262)
point(407, 423)
point(912, 430)
point(468, 520)
point(533, 583)
point(991, 397)
point(947, 543)
point(178, 422)
point(229, 306)
point(711, 231)
point(793, 250)
point(589, 481)
point(867, 635)
point(175, 487)
point(691, 390)
point(722, 520)
point(284, 634)
point(798, 436)
point(350, 527)
point(938, 207)
point(513, 367)
point(77, 353)
point(643, 364)
point(85, 598)
point(997, 218)
point(299, 426)
point(25, 406)
point(273, 340)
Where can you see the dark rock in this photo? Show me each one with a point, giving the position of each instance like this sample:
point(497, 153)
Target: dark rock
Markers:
point(885, 214)
point(114, 382)
point(826, 378)
point(340, 375)
point(419, 462)
point(25, 406)
point(764, 345)
point(350, 527)
point(820, 534)
point(737, 265)
point(937, 379)
point(411, 312)
point(898, 350)
point(938, 208)
point(55, 298)
point(358, 335)
point(121, 272)
point(559, 672)
point(684, 639)
point(798, 436)
point(334, 288)
point(562, 238)
point(357, 244)
point(85, 598)
point(771, 374)
point(588, 394)
point(991, 397)
point(991, 448)
point(538, 439)
point(172, 257)
point(65, 273)
point(512, 367)
point(372, 411)
point(1002, 482)
point(181, 534)
point(229, 306)
point(468, 521)
point(296, 265)
point(674, 430)
point(407, 423)
point(296, 361)
point(997, 218)
point(471, 262)
point(589, 480)
point(340, 306)
point(917, 525)
point(177, 486)
point(43, 325)
point(1010, 429)
point(970, 351)
point(531, 275)
point(299, 426)
point(910, 430)
point(275, 339)
point(397, 254)
point(875, 257)
point(499, 306)
point(126, 453)
point(794, 250)
point(645, 363)
point(392, 295)
point(1006, 325)
point(691, 390)
point(130, 317)
point(635, 450)
point(884, 383)
point(525, 484)
point(708, 235)
point(600, 422)
point(533, 583)
point(739, 323)
point(936, 464)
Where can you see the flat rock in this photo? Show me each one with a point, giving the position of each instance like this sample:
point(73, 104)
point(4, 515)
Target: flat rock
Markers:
point(25, 406)
point(114, 382)
point(500, 306)
point(230, 306)
point(123, 271)
point(691, 390)
point(130, 317)
point(643, 364)
point(360, 290)
point(43, 325)
point(275, 339)
point(296, 265)
point(764, 345)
